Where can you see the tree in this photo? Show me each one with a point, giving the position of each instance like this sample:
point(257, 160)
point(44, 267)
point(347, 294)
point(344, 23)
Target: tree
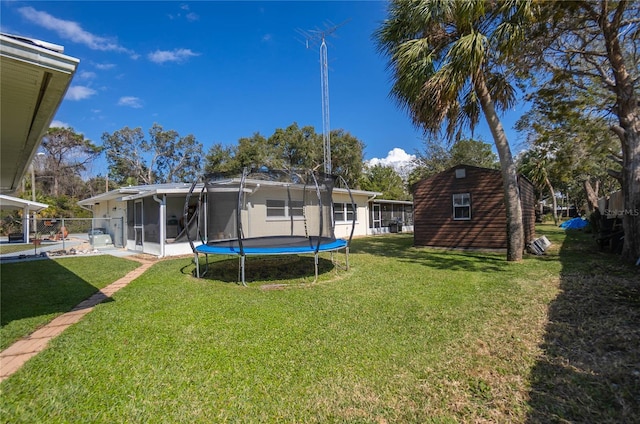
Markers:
point(165, 157)
point(569, 141)
point(448, 60)
point(66, 154)
point(253, 151)
point(534, 165)
point(386, 180)
point(177, 158)
point(220, 159)
point(125, 156)
point(346, 156)
point(290, 148)
point(597, 43)
point(473, 152)
point(297, 148)
point(437, 157)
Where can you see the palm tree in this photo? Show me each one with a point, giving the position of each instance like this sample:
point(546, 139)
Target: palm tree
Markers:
point(448, 60)
point(534, 164)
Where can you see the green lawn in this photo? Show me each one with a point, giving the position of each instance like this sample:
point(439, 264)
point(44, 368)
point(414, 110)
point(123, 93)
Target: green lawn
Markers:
point(406, 335)
point(27, 249)
point(35, 292)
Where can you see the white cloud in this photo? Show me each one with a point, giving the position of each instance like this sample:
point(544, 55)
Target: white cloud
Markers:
point(79, 92)
point(176, 55)
point(190, 16)
point(105, 66)
point(59, 124)
point(130, 101)
point(71, 30)
point(266, 38)
point(86, 75)
point(398, 159)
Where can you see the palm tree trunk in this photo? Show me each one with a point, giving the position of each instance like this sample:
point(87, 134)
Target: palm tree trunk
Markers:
point(553, 199)
point(515, 229)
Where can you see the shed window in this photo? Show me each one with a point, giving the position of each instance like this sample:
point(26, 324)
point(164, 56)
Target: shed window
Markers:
point(462, 206)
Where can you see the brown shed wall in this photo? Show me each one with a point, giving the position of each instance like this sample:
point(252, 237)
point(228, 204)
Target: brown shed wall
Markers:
point(528, 202)
point(433, 210)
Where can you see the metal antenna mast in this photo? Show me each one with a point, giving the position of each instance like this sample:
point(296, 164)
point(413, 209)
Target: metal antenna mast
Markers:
point(315, 36)
point(326, 127)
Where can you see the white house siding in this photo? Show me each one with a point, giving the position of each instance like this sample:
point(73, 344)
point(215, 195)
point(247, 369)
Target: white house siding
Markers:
point(255, 218)
point(259, 224)
point(343, 228)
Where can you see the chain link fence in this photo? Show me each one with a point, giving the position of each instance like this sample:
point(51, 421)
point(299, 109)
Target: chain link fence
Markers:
point(98, 232)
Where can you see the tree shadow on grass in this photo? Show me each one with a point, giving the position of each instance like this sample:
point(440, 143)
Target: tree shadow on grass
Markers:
point(260, 269)
point(589, 370)
point(401, 248)
point(43, 287)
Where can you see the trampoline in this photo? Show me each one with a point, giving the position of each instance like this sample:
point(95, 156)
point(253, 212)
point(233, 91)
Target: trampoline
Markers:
point(266, 212)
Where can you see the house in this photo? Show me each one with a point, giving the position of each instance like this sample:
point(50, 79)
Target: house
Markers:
point(149, 218)
point(35, 76)
point(463, 207)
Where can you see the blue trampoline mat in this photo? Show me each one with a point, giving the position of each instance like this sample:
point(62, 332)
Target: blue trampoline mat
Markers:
point(272, 245)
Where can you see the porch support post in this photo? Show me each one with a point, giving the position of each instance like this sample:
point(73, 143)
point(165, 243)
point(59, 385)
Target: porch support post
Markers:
point(26, 220)
point(163, 221)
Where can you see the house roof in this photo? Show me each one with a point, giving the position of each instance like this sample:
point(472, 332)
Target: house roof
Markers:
point(130, 192)
point(9, 202)
point(138, 192)
point(35, 76)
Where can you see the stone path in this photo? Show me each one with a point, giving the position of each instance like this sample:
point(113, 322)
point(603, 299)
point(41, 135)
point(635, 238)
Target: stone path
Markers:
point(13, 357)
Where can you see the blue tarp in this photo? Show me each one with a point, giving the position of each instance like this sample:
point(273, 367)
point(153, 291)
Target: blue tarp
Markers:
point(574, 224)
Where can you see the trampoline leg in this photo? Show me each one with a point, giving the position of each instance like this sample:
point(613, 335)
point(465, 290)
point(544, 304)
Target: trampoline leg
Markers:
point(206, 264)
point(197, 261)
point(316, 265)
point(242, 270)
point(346, 253)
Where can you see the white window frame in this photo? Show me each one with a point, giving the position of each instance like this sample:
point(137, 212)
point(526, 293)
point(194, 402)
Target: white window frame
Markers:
point(287, 209)
point(461, 201)
point(346, 210)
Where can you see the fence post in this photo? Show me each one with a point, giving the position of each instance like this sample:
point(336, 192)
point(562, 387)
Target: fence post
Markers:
point(62, 231)
point(91, 235)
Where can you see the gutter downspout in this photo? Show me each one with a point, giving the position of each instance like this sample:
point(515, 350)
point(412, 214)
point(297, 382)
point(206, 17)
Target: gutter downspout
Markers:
point(163, 220)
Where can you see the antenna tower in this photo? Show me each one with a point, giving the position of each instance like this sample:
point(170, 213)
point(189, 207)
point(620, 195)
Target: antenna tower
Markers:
point(314, 36)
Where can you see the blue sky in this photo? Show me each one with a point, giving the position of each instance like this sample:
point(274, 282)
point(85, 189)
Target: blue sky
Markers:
point(223, 70)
